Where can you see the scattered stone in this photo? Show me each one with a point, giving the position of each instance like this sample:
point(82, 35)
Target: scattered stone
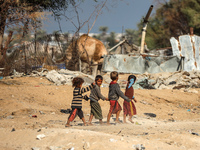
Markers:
point(35, 148)
point(54, 147)
point(172, 120)
point(172, 82)
point(186, 73)
point(10, 117)
point(138, 147)
point(66, 111)
point(13, 129)
point(193, 91)
point(40, 136)
point(194, 133)
point(113, 140)
point(39, 130)
point(150, 115)
point(41, 112)
point(86, 145)
point(143, 102)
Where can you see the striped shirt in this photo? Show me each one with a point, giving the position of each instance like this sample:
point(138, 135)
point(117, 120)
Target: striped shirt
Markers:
point(78, 97)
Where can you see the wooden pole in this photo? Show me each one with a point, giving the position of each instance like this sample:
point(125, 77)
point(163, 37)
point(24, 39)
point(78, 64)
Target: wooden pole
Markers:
point(145, 22)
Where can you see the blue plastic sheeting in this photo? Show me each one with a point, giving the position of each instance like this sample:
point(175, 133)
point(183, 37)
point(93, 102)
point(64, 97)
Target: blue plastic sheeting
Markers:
point(61, 66)
point(139, 65)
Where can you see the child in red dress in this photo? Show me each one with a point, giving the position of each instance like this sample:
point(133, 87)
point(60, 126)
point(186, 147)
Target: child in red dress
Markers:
point(129, 107)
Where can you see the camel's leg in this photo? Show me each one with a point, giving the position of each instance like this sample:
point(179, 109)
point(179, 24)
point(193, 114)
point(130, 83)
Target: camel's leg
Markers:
point(94, 69)
point(84, 68)
point(80, 64)
point(99, 69)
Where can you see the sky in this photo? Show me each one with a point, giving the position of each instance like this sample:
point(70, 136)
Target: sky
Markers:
point(118, 15)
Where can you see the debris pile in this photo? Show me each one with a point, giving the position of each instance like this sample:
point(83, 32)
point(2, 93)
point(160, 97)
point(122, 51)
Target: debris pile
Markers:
point(177, 80)
point(167, 80)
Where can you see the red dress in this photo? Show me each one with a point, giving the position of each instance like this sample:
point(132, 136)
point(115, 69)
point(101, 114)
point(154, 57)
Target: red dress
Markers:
point(129, 107)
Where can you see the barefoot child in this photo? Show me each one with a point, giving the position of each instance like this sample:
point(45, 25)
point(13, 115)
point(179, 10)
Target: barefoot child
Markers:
point(95, 96)
point(77, 99)
point(129, 107)
point(113, 96)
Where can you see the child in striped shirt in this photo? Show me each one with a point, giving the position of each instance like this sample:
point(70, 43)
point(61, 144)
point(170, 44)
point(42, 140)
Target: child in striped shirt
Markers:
point(77, 100)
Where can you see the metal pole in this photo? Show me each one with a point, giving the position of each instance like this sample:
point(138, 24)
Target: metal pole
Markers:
point(145, 22)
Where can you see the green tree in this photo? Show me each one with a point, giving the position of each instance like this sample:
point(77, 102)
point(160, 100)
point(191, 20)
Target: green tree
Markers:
point(172, 19)
point(132, 36)
point(103, 30)
point(112, 39)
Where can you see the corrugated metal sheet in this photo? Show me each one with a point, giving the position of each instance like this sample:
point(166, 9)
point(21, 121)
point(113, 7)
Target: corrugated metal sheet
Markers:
point(138, 64)
point(188, 47)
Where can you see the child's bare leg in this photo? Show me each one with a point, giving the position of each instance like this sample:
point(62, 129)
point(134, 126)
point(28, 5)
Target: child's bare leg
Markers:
point(117, 116)
point(90, 120)
point(100, 121)
point(108, 118)
point(83, 119)
point(130, 119)
point(124, 118)
point(68, 124)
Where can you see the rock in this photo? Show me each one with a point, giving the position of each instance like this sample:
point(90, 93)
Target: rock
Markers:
point(35, 148)
point(10, 117)
point(143, 102)
point(66, 111)
point(13, 129)
point(113, 140)
point(39, 130)
point(193, 91)
point(41, 112)
point(86, 145)
point(150, 114)
point(40, 136)
point(172, 82)
point(194, 133)
point(186, 73)
point(138, 147)
point(54, 147)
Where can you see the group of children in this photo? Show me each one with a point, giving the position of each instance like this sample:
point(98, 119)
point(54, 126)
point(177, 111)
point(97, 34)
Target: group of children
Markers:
point(95, 96)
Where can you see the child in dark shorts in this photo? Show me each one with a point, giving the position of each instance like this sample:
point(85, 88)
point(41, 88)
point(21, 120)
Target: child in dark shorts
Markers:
point(77, 100)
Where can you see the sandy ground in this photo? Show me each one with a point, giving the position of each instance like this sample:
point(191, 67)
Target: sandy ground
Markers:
point(175, 126)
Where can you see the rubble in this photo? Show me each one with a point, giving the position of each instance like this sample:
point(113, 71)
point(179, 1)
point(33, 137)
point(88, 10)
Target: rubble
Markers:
point(175, 80)
point(167, 80)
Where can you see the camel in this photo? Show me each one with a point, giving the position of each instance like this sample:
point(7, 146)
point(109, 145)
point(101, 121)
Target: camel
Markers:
point(87, 50)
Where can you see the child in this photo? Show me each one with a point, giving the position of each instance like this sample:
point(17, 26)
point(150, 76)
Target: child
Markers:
point(129, 107)
point(95, 96)
point(113, 95)
point(77, 99)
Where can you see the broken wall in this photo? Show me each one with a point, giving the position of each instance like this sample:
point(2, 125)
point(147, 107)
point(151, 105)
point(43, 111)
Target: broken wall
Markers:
point(138, 64)
point(187, 47)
